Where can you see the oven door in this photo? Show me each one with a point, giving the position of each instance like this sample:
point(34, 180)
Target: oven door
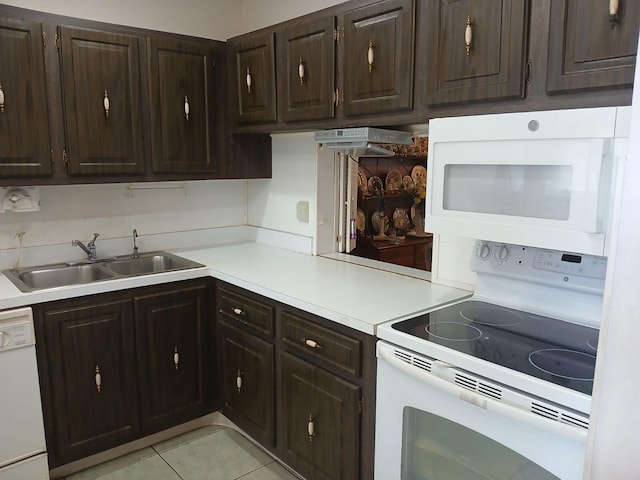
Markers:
point(427, 428)
point(541, 178)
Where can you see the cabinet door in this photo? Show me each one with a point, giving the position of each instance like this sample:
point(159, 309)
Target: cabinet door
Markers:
point(378, 58)
point(253, 63)
point(24, 130)
point(102, 102)
point(306, 59)
point(182, 106)
point(491, 66)
point(588, 49)
point(171, 348)
point(248, 382)
point(320, 421)
point(91, 376)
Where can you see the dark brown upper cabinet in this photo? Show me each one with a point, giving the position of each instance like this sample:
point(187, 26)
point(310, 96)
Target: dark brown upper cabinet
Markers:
point(378, 58)
point(182, 103)
point(306, 70)
point(589, 48)
point(254, 77)
point(102, 102)
point(477, 50)
point(24, 130)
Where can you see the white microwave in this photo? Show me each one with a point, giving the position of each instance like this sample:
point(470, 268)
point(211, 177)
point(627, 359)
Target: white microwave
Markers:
point(544, 179)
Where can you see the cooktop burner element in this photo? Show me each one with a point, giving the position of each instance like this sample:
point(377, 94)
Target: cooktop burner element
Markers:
point(453, 331)
point(564, 363)
point(553, 350)
point(491, 316)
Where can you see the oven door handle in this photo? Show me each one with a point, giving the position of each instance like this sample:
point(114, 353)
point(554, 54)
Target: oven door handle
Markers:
point(569, 431)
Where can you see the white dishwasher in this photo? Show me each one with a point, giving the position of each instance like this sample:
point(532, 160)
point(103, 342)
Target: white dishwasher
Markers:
point(22, 445)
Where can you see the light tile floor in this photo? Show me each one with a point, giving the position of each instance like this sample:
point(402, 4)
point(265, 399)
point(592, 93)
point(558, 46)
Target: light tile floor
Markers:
point(208, 453)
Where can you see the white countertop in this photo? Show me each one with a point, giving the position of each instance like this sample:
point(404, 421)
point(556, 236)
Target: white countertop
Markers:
point(352, 295)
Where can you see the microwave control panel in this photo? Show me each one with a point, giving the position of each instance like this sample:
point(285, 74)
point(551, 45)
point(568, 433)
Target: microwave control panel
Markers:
point(570, 270)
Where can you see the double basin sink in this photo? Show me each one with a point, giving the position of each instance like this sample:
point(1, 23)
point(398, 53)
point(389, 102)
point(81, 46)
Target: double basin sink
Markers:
point(29, 279)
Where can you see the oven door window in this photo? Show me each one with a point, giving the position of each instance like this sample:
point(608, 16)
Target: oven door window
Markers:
point(434, 448)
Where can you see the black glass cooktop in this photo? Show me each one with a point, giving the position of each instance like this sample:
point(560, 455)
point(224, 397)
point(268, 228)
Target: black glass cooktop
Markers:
point(553, 350)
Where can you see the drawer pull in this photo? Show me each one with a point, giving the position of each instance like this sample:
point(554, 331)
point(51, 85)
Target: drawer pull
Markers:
point(468, 36)
point(176, 357)
point(370, 55)
point(301, 72)
point(186, 108)
point(311, 428)
point(613, 13)
point(249, 81)
point(1, 99)
point(239, 380)
point(98, 379)
point(311, 343)
point(106, 104)
point(239, 311)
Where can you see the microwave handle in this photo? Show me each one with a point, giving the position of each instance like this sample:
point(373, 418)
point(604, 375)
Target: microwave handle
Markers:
point(566, 430)
point(592, 196)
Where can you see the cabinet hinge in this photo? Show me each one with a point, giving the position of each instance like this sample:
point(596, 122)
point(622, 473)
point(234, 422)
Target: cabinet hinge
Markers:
point(361, 406)
point(53, 159)
point(57, 42)
point(44, 40)
point(65, 159)
point(528, 71)
point(336, 34)
point(338, 97)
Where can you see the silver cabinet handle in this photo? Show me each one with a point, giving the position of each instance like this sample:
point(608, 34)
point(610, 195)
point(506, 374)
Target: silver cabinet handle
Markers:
point(176, 357)
point(186, 108)
point(613, 12)
point(1, 99)
point(98, 379)
point(311, 427)
point(106, 103)
point(468, 36)
point(370, 55)
point(249, 81)
point(301, 72)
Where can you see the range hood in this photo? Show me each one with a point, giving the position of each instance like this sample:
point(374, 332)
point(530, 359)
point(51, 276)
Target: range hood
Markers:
point(362, 141)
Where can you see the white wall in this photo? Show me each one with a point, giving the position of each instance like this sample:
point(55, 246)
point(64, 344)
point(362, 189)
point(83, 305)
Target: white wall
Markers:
point(615, 417)
point(216, 19)
point(258, 14)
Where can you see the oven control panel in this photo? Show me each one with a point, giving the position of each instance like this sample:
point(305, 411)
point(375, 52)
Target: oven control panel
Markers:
point(552, 267)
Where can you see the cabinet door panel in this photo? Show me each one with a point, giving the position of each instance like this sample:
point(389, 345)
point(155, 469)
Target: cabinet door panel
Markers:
point(102, 98)
point(493, 67)
point(255, 78)
point(171, 341)
point(315, 401)
point(182, 120)
point(586, 50)
point(383, 33)
point(84, 342)
point(24, 130)
point(306, 62)
point(248, 382)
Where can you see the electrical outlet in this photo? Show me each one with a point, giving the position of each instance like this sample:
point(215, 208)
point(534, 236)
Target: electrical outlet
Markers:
point(302, 211)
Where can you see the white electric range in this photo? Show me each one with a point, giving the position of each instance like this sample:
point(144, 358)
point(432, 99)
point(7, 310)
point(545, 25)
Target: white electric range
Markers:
point(498, 385)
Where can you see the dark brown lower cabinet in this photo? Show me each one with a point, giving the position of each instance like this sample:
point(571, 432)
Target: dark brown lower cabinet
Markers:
point(117, 366)
point(89, 388)
point(171, 350)
point(247, 382)
point(320, 421)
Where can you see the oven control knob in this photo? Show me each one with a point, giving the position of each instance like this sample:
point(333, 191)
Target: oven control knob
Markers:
point(484, 251)
point(502, 253)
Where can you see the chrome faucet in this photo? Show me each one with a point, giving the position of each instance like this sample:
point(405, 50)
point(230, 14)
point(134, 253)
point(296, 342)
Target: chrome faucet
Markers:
point(89, 248)
point(135, 247)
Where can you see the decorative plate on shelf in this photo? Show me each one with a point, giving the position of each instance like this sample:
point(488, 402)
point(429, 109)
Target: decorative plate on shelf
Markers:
point(375, 185)
point(362, 181)
point(419, 176)
point(393, 181)
point(407, 183)
point(361, 221)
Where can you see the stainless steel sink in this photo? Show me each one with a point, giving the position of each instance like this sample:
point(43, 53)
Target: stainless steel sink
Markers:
point(29, 279)
point(149, 263)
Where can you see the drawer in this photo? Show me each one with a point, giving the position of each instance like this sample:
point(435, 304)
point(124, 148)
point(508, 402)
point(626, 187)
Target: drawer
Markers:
point(254, 314)
point(335, 348)
point(398, 254)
